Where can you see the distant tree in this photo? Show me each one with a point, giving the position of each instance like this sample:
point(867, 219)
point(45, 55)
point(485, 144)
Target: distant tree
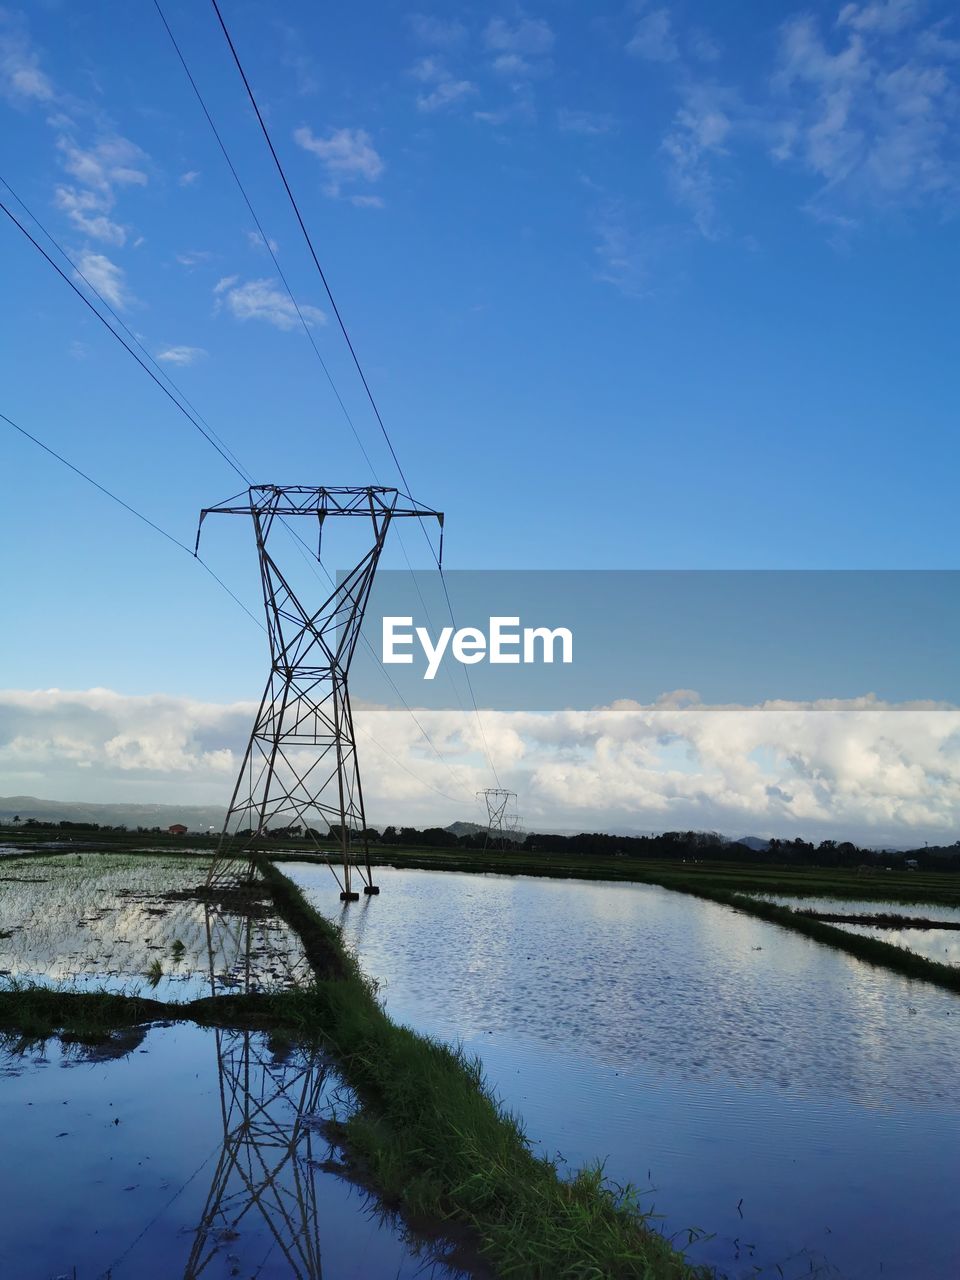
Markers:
point(389, 835)
point(16, 819)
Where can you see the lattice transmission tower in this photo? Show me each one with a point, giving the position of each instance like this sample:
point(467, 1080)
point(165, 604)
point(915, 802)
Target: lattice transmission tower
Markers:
point(300, 767)
point(497, 801)
point(515, 827)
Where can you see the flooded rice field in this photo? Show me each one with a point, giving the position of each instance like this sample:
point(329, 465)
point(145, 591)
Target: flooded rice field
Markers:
point(117, 922)
point(901, 926)
point(798, 1106)
point(179, 1152)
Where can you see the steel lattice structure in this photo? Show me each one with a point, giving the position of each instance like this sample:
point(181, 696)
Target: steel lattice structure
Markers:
point(497, 799)
point(300, 765)
point(266, 1170)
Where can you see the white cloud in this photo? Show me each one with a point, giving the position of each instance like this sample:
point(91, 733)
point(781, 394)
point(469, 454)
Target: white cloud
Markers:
point(698, 136)
point(886, 16)
point(21, 77)
point(113, 736)
point(441, 32)
point(512, 64)
point(347, 155)
point(367, 202)
point(264, 300)
point(106, 277)
point(111, 161)
point(256, 241)
point(193, 257)
point(876, 121)
point(653, 38)
point(520, 50)
point(189, 178)
point(444, 89)
point(521, 109)
point(528, 36)
point(88, 211)
point(586, 123)
point(181, 355)
point(868, 108)
point(858, 768)
point(623, 256)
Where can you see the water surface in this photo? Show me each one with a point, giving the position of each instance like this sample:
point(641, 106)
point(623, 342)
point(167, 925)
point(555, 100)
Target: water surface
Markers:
point(932, 944)
point(800, 1105)
point(177, 1152)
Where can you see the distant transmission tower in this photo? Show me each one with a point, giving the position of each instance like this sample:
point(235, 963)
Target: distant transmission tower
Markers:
point(300, 766)
point(497, 800)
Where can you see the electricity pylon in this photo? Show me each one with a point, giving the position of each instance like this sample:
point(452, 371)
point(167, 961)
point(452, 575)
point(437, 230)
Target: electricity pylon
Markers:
point(300, 765)
point(497, 800)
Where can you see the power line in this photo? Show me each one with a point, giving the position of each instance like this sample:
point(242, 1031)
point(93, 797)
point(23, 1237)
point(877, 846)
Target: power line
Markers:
point(171, 538)
point(343, 329)
point(313, 252)
point(104, 302)
point(180, 400)
point(119, 337)
point(165, 383)
point(263, 235)
point(265, 239)
point(134, 512)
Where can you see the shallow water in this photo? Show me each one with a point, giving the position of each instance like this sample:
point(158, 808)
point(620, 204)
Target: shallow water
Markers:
point(865, 906)
point(197, 1151)
point(798, 1104)
point(932, 944)
point(101, 921)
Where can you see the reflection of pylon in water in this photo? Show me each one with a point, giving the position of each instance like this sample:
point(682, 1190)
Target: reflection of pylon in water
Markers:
point(265, 1164)
point(243, 951)
point(266, 1167)
point(300, 767)
point(497, 800)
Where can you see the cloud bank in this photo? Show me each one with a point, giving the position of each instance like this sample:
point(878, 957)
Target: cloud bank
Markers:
point(853, 769)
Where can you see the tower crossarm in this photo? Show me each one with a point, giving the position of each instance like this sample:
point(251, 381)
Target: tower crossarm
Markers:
point(374, 502)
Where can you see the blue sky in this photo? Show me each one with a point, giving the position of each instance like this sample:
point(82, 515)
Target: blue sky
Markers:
point(636, 286)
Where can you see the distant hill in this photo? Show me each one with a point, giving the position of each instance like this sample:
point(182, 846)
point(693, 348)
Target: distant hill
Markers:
point(196, 817)
point(465, 828)
point(754, 842)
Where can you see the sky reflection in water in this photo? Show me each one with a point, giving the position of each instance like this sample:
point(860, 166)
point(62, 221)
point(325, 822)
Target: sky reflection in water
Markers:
point(710, 1055)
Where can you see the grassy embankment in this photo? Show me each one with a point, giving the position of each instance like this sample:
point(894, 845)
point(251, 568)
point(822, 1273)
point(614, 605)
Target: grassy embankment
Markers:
point(429, 1136)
